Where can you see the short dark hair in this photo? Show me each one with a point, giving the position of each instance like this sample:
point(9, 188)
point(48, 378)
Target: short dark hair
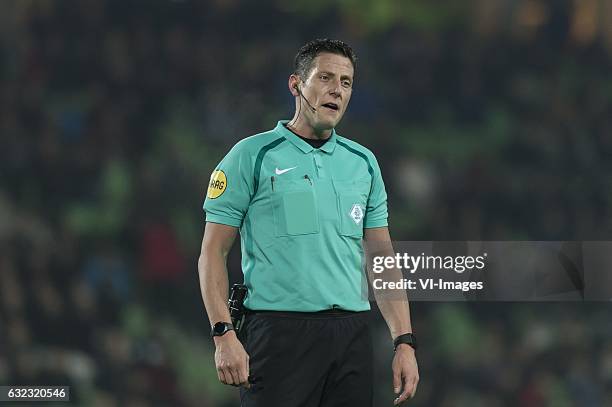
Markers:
point(309, 51)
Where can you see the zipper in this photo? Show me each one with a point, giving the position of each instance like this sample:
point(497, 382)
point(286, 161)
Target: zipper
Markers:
point(307, 178)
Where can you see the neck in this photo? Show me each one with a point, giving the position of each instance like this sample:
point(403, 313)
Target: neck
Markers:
point(299, 126)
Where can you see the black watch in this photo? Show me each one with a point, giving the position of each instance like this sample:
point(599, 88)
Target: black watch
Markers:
point(221, 328)
point(408, 339)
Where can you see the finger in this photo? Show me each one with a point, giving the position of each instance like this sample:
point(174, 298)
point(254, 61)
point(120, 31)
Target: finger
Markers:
point(397, 381)
point(414, 387)
point(247, 371)
point(401, 399)
point(406, 393)
point(236, 376)
point(243, 375)
point(230, 377)
point(250, 381)
point(408, 389)
point(227, 375)
point(221, 376)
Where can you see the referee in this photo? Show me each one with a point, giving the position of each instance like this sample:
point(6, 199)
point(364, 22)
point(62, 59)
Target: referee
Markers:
point(303, 198)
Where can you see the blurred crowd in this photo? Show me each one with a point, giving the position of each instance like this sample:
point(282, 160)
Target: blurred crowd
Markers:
point(491, 120)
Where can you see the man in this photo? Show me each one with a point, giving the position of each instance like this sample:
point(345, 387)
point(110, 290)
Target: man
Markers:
point(303, 198)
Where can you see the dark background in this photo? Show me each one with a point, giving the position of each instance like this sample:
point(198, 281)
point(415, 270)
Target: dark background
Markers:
point(491, 120)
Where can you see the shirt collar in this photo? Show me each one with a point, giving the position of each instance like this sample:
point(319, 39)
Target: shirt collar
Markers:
point(328, 147)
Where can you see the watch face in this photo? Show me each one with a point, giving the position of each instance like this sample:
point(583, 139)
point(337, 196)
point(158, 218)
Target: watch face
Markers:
point(219, 328)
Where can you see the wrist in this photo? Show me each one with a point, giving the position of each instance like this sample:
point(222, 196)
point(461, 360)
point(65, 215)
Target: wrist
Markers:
point(404, 347)
point(225, 338)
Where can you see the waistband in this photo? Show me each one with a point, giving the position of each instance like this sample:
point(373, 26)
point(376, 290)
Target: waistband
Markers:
point(328, 313)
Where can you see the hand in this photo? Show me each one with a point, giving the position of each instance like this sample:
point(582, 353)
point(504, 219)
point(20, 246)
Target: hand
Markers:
point(405, 372)
point(231, 360)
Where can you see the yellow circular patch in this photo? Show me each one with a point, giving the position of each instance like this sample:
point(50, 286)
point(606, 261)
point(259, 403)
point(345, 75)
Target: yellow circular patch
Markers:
point(218, 184)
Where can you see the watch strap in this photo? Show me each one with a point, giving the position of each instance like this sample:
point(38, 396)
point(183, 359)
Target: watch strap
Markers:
point(408, 339)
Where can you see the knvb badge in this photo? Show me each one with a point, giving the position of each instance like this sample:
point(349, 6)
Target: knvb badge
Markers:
point(356, 213)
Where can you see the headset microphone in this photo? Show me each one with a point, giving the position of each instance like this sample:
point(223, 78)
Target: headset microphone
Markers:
point(304, 97)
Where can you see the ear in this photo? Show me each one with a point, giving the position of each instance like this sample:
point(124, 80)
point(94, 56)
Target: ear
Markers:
point(293, 83)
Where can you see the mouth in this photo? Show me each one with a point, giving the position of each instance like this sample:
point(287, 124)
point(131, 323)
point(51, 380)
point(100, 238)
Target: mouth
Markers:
point(331, 106)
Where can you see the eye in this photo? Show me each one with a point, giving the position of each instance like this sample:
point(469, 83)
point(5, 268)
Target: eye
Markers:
point(324, 77)
point(346, 84)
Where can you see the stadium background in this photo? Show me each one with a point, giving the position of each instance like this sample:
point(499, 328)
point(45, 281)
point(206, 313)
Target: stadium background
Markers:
point(491, 119)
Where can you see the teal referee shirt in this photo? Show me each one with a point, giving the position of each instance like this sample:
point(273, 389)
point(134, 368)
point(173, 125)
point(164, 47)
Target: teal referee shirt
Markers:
point(301, 213)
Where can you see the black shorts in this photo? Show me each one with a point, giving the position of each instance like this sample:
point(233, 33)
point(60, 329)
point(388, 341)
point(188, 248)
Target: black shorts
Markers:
point(308, 359)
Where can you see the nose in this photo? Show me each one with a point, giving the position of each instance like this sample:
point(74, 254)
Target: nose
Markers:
point(336, 89)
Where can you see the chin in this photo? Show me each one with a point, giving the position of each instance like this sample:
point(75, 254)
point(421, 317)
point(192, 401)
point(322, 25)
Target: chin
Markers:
point(328, 124)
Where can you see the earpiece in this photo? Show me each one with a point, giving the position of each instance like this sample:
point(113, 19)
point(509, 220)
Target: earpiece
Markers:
point(303, 97)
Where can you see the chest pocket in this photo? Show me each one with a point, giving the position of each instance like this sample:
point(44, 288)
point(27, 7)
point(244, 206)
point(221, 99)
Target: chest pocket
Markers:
point(352, 200)
point(295, 207)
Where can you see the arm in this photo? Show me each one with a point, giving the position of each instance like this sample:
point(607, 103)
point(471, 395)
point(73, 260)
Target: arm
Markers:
point(396, 313)
point(231, 360)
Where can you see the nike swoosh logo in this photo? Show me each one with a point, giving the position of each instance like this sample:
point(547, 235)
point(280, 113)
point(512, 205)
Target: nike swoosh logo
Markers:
point(279, 172)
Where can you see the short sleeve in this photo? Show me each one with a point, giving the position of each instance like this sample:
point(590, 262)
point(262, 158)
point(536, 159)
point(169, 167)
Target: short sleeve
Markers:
point(376, 212)
point(230, 188)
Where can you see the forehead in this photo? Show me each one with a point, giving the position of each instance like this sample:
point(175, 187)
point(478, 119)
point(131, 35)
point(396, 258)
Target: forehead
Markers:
point(334, 63)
